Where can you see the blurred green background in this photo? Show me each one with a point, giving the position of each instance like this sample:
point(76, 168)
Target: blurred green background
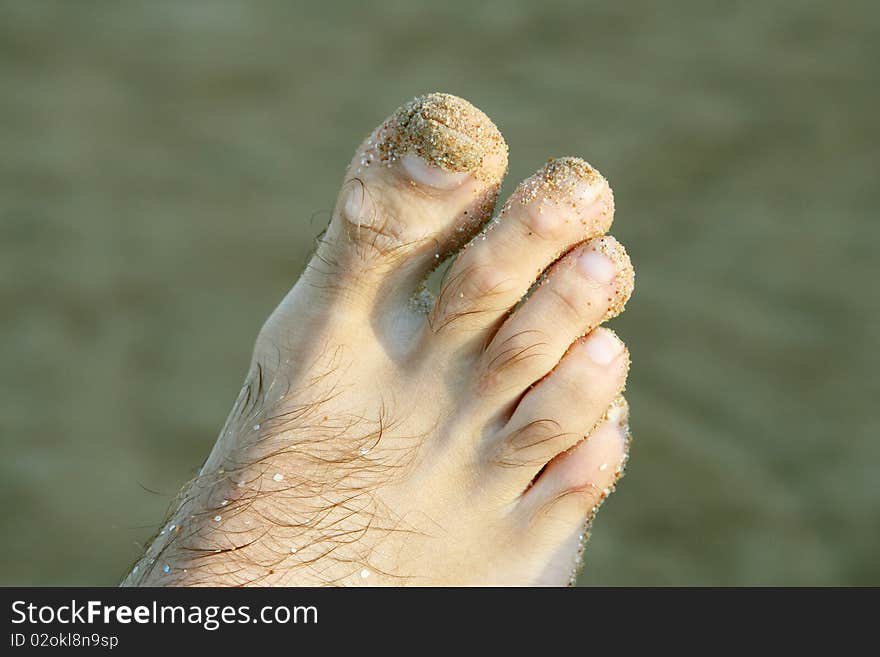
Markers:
point(165, 166)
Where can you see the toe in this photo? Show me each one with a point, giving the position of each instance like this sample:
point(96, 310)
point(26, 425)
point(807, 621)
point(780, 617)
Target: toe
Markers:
point(560, 410)
point(580, 478)
point(558, 510)
point(420, 185)
point(561, 205)
point(590, 285)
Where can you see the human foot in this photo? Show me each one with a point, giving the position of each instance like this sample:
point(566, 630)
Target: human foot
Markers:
point(380, 439)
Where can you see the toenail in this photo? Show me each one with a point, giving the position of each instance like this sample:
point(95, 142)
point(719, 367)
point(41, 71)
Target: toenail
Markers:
point(602, 347)
point(432, 176)
point(621, 276)
point(447, 133)
point(596, 266)
point(618, 415)
point(564, 181)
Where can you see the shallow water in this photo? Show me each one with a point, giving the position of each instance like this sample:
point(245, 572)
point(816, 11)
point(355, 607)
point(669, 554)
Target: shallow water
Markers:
point(164, 167)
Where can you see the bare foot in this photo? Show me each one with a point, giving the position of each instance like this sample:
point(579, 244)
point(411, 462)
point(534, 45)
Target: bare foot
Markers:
point(382, 438)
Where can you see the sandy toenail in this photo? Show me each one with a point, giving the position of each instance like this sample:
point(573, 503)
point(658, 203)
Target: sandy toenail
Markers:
point(596, 266)
point(618, 415)
point(432, 176)
point(447, 132)
point(602, 347)
point(609, 250)
point(565, 179)
point(618, 412)
point(564, 189)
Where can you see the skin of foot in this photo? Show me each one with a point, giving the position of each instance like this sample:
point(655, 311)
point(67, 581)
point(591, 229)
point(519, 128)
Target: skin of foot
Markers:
point(384, 437)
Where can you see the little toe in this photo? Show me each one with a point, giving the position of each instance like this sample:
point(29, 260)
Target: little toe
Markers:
point(559, 411)
point(579, 479)
point(558, 510)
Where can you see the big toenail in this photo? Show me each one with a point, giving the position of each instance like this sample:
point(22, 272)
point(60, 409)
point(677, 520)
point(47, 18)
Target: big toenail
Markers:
point(432, 176)
point(596, 266)
point(447, 133)
point(602, 347)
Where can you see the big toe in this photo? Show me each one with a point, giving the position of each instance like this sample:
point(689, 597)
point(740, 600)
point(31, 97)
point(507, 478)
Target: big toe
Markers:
point(418, 188)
